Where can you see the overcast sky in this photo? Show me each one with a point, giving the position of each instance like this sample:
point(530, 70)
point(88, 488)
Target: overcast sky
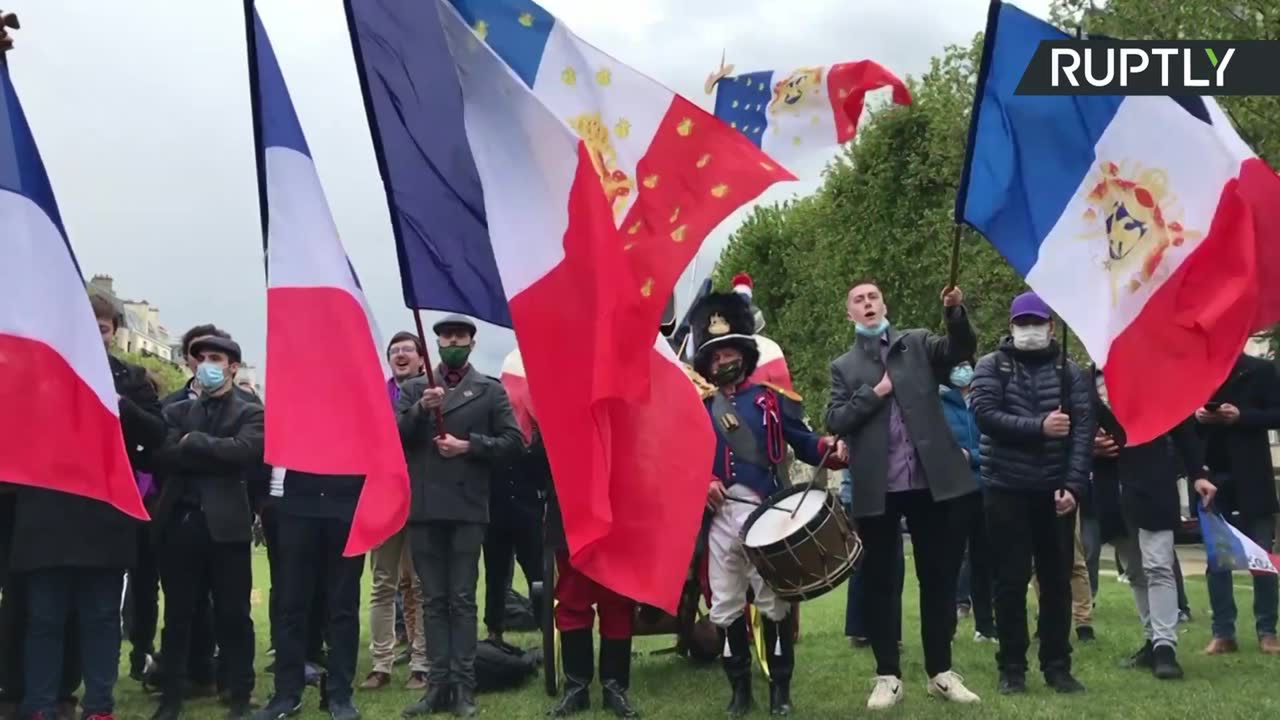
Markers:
point(141, 110)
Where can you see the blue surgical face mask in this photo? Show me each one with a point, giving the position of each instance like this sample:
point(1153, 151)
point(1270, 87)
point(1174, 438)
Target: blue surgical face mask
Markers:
point(210, 376)
point(876, 331)
point(961, 376)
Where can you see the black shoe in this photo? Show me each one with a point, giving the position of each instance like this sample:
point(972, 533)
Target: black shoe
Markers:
point(168, 711)
point(438, 698)
point(464, 701)
point(616, 701)
point(1012, 682)
point(1085, 634)
point(780, 697)
point(1063, 682)
point(1184, 616)
point(278, 709)
point(239, 710)
point(1165, 663)
point(1140, 659)
point(737, 667)
point(343, 710)
point(577, 659)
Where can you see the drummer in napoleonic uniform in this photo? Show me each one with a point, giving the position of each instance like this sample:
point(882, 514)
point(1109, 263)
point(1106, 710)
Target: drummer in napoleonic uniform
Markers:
point(753, 424)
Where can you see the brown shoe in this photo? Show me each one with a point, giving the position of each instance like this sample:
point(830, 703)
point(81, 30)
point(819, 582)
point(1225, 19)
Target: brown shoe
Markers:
point(417, 681)
point(376, 681)
point(1221, 646)
point(1269, 645)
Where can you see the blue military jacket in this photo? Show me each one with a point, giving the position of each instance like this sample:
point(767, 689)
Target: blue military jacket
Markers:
point(773, 420)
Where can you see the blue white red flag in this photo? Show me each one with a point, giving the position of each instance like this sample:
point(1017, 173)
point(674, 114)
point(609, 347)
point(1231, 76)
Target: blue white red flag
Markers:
point(598, 187)
point(60, 426)
point(1227, 549)
point(1145, 222)
point(791, 115)
point(324, 422)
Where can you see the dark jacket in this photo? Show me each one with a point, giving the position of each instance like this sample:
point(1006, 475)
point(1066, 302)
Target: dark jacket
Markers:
point(213, 444)
point(456, 489)
point(917, 360)
point(964, 428)
point(54, 529)
point(322, 496)
point(1138, 489)
point(1239, 455)
point(1013, 391)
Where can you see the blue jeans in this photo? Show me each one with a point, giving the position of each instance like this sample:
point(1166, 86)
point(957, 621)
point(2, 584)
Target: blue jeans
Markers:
point(94, 594)
point(855, 625)
point(1266, 590)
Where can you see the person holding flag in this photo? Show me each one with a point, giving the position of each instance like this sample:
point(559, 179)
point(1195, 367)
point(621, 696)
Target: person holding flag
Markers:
point(747, 419)
point(454, 436)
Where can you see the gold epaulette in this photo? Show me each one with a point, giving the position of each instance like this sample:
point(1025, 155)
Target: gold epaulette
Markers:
point(705, 389)
point(789, 394)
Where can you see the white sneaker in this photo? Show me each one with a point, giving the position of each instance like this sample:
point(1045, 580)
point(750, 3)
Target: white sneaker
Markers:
point(886, 693)
point(980, 638)
point(950, 686)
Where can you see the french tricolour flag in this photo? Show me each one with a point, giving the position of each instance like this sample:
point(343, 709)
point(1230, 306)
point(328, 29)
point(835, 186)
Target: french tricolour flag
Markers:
point(1227, 549)
point(326, 404)
point(1145, 222)
point(792, 114)
point(508, 142)
point(60, 422)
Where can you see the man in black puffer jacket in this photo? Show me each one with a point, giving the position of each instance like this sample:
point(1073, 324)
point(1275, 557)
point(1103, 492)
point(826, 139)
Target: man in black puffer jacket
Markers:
point(1036, 456)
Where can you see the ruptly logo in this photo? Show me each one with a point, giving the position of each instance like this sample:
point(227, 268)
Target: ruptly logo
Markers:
point(1103, 66)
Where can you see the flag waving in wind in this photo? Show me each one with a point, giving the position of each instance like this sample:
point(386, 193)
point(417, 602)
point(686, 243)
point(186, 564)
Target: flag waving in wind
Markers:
point(597, 185)
point(1145, 222)
point(60, 423)
point(326, 406)
point(790, 115)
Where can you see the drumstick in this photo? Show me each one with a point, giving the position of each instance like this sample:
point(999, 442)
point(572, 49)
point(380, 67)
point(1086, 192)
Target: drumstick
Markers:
point(744, 501)
point(812, 478)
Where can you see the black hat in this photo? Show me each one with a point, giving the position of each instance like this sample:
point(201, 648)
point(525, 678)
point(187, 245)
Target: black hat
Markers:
point(723, 320)
point(668, 323)
point(455, 321)
point(223, 345)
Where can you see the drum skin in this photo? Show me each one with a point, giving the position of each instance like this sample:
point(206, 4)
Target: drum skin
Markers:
point(812, 559)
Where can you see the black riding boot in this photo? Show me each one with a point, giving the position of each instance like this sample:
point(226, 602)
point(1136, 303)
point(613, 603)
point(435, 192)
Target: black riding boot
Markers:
point(779, 644)
point(579, 665)
point(737, 667)
point(615, 676)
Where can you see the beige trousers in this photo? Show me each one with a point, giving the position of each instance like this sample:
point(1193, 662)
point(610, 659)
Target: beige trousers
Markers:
point(391, 563)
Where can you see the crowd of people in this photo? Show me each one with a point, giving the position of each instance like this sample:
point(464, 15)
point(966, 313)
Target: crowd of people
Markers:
point(1008, 473)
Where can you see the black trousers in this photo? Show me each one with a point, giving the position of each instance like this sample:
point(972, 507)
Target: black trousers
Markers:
point(142, 602)
point(311, 566)
point(514, 534)
point(936, 531)
point(318, 617)
point(977, 564)
point(1022, 528)
point(446, 556)
point(192, 567)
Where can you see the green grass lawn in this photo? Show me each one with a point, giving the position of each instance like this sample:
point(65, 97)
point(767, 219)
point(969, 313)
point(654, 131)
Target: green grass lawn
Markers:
point(832, 679)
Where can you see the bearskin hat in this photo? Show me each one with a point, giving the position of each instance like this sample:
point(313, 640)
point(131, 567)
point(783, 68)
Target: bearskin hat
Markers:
point(723, 320)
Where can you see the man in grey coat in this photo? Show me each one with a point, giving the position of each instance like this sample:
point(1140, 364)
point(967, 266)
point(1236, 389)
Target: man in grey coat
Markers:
point(884, 405)
point(453, 434)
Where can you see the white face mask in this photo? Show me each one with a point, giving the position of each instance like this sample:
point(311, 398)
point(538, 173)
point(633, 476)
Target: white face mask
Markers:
point(1031, 337)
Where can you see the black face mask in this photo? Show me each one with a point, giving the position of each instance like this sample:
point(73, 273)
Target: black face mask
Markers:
point(727, 373)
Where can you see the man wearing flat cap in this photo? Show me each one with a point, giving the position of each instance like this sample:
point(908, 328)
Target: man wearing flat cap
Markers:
point(204, 523)
point(453, 434)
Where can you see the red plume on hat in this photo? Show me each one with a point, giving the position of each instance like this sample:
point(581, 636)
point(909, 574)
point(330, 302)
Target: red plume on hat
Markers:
point(743, 285)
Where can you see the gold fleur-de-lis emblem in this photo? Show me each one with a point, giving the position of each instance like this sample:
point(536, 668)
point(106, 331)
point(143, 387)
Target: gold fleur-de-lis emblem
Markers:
point(622, 128)
point(569, 76)
point(685, 127)
point(635, 227)
point(717, 325)
point(814, 120)
point(734, 104)
point(675, 215)
point(526, 19)
point(651, 181)
point(702, 161)
point(628, 246)
point(719, 191)
point(647, 289)
point(482, 29)
point(603, 76)
point(760, 87)
point(767, 166)
point(678, 234)
point(796, 140)
point(734, 125)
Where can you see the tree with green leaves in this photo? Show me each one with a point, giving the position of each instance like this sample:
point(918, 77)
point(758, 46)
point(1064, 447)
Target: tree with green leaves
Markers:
point(169, 376)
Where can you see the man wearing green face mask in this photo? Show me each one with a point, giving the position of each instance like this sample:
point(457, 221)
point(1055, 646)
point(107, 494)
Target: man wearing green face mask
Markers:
point(449, 470)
